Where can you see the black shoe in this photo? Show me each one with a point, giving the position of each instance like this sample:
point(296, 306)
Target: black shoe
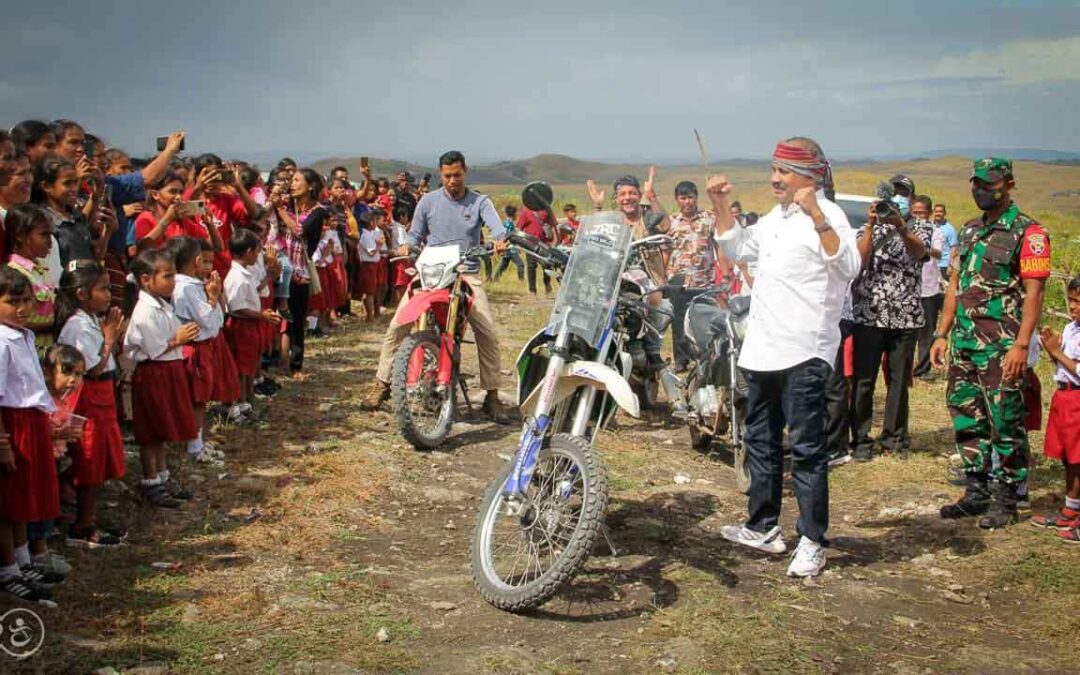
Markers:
point(863, 453)
point(493, 409)
point(975, 502)
point(23, 589)
point(39, 575)
point(655, 362)
point(1003, 510)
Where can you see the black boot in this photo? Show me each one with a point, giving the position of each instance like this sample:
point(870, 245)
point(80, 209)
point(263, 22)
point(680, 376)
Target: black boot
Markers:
point(975, 502)
point(1003, 512)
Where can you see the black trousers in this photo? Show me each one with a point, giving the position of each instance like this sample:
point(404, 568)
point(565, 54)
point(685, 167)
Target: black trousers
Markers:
point(680, 302)
point(931, 308)
point(297, 328)
point(531, 266)
point(898, 348)
point(838, 400)
point(510, 257)
point(793, 398)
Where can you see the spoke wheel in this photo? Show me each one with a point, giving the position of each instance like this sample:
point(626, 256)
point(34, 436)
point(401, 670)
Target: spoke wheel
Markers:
point(524, 549)
point(424, 411)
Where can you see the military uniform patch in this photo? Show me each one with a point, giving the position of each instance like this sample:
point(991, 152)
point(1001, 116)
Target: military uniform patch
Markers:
point(1037, 243)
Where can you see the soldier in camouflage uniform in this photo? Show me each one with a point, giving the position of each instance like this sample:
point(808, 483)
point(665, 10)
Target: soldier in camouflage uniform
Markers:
point(992, 308)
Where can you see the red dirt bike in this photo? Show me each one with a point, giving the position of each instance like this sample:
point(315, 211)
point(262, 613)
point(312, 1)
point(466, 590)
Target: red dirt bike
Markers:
point(426, 374)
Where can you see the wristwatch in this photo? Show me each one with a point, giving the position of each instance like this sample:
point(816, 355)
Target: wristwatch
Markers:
point(823, 227)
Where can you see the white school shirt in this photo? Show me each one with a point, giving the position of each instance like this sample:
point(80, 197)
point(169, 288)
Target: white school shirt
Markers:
point(191, 304)
point(21, 377)
point(83, 332)
point(1070, 344)
point(399, 235)
point(798, 293)
point(153, 323)
point(242, 288)
point(329, 246)
point(370, 241)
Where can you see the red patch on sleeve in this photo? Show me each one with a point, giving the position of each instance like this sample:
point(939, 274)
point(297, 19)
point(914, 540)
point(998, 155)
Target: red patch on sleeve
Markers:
point(1035, 253)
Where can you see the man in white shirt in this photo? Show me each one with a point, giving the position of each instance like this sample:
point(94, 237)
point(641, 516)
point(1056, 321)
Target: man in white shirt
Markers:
point(806, 256)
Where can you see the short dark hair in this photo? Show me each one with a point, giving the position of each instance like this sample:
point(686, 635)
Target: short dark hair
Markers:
point(569, 207)
point(451, 157)
point(65, 356)
point(13, 282)
point(205, 160)
point(736, 205)
point(60, 128)
point(114, 155)
point(242, 241)
point(510, 210)
point(686, 189)
point(286, 161)
point(184, 250)
point(923, 199)
point(29, 132)
point(942, 205)
point(146, 262)
point(20, 221)
point(338, 168)
point(1074, 285)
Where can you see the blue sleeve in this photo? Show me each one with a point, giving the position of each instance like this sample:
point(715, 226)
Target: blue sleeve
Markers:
point(127, 188)
point(419, 230)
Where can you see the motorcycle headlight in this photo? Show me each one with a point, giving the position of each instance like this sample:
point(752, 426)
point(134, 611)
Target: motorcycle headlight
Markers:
point(431, 275)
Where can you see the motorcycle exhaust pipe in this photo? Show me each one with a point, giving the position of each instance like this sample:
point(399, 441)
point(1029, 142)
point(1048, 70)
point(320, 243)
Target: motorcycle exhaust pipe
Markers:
point(673, 389)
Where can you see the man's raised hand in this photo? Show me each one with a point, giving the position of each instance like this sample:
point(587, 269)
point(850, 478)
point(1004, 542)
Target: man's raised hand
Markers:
point(596, 195)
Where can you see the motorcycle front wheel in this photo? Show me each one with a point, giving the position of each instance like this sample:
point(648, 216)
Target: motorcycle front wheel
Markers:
point(424, 412)
point(525, 549)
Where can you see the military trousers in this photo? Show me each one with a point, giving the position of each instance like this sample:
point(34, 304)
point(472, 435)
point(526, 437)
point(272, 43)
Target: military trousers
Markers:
point(988, 415)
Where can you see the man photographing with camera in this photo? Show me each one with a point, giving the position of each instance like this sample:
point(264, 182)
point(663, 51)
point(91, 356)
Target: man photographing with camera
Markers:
point(888, 313)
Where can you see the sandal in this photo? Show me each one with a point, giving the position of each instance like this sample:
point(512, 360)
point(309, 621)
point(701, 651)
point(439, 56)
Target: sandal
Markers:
point(22, 589)
point(1065, 519)
point(158, 496)
point(1070, 536)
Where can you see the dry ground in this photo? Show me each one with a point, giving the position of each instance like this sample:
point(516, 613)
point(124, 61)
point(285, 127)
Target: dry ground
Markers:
point(325, 529)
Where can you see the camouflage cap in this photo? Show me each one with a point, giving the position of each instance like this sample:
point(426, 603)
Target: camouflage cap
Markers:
point(991, 169)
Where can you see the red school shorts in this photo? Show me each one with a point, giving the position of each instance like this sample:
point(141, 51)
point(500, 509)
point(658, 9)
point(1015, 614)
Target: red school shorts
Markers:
point(246, 339)
point(1063, 427)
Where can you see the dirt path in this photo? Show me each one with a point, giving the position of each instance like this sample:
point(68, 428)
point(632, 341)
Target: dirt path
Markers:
point(327, 545)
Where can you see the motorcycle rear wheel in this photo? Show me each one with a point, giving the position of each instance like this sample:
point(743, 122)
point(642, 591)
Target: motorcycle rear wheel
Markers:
point(562, 515)
point(424, 415)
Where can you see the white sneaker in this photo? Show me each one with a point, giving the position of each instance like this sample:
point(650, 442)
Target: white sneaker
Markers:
point(53, 562)
point(770, 542)
point(204, 457)
point(808, 559)
point(209, 447)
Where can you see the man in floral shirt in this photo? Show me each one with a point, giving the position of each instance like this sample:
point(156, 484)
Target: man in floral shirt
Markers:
point(693, 256)
point(888, 313)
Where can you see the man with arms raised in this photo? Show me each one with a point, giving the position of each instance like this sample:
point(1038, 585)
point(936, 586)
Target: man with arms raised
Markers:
point(807, 256)
point(453, 214)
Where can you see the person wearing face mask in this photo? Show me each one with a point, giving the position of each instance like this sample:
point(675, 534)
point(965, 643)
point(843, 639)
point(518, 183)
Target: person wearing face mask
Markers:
point(992, 308)
point(887, 314)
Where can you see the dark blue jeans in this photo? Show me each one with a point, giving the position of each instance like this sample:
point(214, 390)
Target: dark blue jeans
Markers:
point(794, 398)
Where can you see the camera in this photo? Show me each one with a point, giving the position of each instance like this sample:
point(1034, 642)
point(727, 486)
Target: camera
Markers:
point(884, 206)
point(163, 141)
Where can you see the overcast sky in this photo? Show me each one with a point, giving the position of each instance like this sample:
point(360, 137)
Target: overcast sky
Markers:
point(598, 80)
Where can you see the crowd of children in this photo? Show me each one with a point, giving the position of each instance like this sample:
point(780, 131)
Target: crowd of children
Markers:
point(138, 294)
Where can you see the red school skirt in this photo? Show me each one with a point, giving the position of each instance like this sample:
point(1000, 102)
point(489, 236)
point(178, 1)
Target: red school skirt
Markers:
point(211, 371)
point(383, 271)
point(329, 296)
point(402, 276)
point(368, 274)
point(161, 403)
point(1063, 427)
point(31, 492)
point(271, 331)
point(99, 456)
point(246, 340)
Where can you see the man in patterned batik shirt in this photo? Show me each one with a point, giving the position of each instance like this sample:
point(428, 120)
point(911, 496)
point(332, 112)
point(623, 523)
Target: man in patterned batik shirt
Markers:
point(692, 256)
point(888, 314)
